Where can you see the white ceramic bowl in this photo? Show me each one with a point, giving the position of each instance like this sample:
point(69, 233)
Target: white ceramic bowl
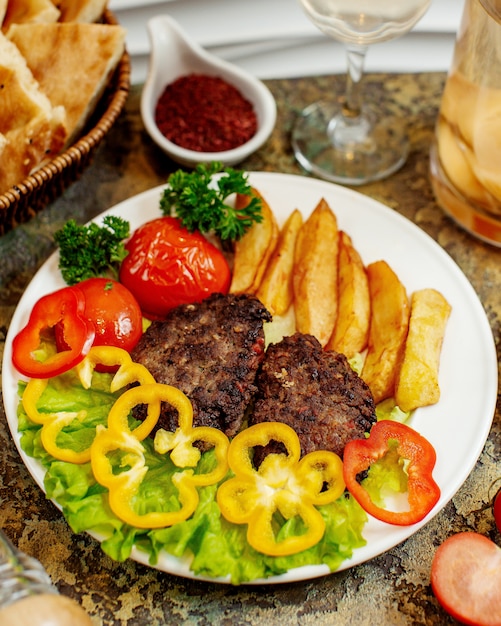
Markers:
point(173, 55)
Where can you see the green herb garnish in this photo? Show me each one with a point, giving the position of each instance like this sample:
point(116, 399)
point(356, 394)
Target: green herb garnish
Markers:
point(92, 250)
point(200, 201)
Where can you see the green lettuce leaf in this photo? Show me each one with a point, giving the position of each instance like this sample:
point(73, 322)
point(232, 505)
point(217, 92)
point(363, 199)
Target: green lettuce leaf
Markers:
point(387, 477)
point(216, 548)
point(388, 410)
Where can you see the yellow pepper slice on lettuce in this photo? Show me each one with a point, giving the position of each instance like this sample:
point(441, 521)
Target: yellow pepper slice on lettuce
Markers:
point(283, 484)
point(53, 423)
point(118, 458)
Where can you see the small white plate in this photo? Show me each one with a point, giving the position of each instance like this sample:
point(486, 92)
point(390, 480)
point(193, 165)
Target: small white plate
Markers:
point(457, 426)
point(174, 54)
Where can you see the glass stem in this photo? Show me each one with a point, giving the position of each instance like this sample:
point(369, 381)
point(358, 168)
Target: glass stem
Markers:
point(356, 61)
point(349, 130)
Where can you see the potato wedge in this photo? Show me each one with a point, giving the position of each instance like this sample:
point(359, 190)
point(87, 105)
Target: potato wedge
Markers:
point(276, 291)
point(417, 381)
point(253, 250)
point(388, 330)
point(315, 274)
point(351, 331)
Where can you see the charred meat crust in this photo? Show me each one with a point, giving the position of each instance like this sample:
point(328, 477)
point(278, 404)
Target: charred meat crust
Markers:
point(315, 391)
point(211, 350)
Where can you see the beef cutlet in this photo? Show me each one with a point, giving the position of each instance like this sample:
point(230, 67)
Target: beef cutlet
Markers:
point(316, 392)
point(211, 351)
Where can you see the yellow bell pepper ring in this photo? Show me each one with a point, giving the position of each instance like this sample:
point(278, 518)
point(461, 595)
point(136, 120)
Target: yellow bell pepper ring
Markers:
point(323, 472)
point(110, 356)
point(128, 372)
point(182, 451)
point(123, 485)
point(283, 483)
point(53, 423)
point(261, 537)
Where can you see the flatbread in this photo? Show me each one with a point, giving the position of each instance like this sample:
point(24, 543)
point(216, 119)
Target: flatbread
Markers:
point(28, 12)
point(72, 63)
point(86, 11)
point(3, 9)
point(24, 150)
point(31, 129)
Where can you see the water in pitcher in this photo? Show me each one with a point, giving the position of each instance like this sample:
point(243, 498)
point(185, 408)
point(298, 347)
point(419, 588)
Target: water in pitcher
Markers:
point(465, 163)
point(468, 142)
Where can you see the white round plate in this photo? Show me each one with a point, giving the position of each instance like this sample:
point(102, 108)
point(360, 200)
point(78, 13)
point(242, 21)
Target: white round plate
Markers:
point(457, 426)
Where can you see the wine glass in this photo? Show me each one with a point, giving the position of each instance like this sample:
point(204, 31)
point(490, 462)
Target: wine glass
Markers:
point(342, 140)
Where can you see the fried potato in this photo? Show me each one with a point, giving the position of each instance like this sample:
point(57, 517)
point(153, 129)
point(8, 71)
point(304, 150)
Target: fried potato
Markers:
point(253, 250)
point(315, 274)
point(417, 381)
point(388, 330)
point(351, 331)
point(276, 291)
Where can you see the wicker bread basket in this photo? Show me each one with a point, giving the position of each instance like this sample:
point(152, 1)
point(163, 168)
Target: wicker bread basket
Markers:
point(22, 201)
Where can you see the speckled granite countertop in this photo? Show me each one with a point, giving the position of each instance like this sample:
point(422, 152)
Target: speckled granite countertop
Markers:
point(390, 589)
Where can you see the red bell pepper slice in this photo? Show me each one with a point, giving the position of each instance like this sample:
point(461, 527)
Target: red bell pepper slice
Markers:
point(422, 491)
point(64, 307)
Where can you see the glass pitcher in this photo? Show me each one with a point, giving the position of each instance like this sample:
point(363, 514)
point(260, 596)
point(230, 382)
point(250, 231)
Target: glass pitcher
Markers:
point(465, 159)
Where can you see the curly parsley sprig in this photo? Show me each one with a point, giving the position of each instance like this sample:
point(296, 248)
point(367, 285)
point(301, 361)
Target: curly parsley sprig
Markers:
point(92, 250)
point(200, 201)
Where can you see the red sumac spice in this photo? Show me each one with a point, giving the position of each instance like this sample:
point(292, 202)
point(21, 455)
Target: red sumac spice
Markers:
point(205, 113)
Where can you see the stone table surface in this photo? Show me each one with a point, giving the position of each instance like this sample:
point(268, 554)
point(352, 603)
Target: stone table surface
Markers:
point(393, 588)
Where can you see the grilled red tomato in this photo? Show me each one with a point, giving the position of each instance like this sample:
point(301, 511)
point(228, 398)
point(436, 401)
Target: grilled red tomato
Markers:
point(167, 266)
point(114, 312)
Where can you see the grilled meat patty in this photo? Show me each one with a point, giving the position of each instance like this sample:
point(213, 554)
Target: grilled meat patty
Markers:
point(316, 392)
point(211, 351)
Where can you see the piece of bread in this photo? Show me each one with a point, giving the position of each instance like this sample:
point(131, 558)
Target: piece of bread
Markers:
point(72, 63)
point(29, 12)
point(3, 10)
point(31, 129)
point(24, 150)
point(81, 10)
